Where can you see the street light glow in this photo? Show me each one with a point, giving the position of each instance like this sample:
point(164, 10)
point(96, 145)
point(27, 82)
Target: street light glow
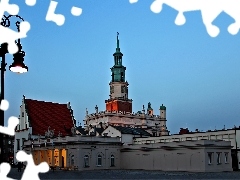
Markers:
point(18, 69)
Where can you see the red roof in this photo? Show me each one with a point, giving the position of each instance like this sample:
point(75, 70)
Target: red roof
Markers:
point(43, 114)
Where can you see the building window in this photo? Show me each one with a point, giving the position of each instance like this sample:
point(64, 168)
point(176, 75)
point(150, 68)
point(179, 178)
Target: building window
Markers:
point(209, 158)
point(86, 161)
point(23, 139)
point(111, 89)
point(112, 161)
point(18, 144)
point(22, 114)
point(99, 160)
point(72, 160)
point(226, 157)
point(218, 158)
point(122, 89)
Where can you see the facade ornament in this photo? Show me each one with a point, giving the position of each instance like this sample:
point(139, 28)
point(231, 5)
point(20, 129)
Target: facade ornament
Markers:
point(149, 105)
point(59, 134)
point(96, 108)
point(86, 112)
point(29, 136)
point(73, 131)
point(49, 133)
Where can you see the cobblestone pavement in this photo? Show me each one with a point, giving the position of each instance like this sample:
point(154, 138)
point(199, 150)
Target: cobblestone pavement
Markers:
point(128, 174)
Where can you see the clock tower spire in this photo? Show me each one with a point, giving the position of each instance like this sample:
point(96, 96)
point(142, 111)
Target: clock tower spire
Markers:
point(118, 100)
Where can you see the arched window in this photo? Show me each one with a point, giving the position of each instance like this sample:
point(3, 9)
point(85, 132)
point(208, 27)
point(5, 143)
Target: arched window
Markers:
point(72, 160)
point(86, 161)
point(99, 160)
point(112, 163)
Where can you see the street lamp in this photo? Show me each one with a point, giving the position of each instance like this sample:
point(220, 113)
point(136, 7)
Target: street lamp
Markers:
point(17, 66)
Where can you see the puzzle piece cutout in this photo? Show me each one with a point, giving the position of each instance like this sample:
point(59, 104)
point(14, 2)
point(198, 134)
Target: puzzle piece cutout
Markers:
point(12, 121)
point(59, 19)
point(4, 170)
point(31, 171)
point(210, 10)
point(7, 35)
point(133, 1)
point(12, 9)
point(76, 11)
point(30, 2)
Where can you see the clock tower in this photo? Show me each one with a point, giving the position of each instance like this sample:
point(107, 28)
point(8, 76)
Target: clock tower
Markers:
point(118, 98)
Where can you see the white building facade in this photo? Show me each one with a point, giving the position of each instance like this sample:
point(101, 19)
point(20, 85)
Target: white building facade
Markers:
point(231, 135)
point(91, 153)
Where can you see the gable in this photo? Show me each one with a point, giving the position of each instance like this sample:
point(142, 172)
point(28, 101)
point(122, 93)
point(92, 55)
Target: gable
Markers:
point(111, 131)
point(47, 115)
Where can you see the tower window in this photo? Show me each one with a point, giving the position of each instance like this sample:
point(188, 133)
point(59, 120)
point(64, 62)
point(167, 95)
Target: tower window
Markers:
point(122, 89)
point(111, 89)
point(122, 76)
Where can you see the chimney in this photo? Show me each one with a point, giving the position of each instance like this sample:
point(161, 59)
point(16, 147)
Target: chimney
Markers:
point(68, 105)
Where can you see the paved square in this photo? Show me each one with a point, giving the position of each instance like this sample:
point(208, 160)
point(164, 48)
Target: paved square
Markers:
point(128, 174)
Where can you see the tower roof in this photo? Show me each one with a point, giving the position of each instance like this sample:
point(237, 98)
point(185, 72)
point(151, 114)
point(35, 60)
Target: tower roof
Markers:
point(118, 47)
point(149, 106)
point(162, 107)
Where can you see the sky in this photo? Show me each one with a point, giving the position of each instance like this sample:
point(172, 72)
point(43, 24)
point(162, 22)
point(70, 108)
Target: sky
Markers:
point(194, 75)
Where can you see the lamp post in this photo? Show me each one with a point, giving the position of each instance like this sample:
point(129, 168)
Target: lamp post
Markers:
point(17, 66)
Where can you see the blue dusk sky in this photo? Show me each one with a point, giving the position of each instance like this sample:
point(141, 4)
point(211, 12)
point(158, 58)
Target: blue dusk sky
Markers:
point(195, 76)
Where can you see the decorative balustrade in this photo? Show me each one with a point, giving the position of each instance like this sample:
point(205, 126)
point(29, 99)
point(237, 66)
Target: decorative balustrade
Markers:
point(67, 139)
point(120, 113)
